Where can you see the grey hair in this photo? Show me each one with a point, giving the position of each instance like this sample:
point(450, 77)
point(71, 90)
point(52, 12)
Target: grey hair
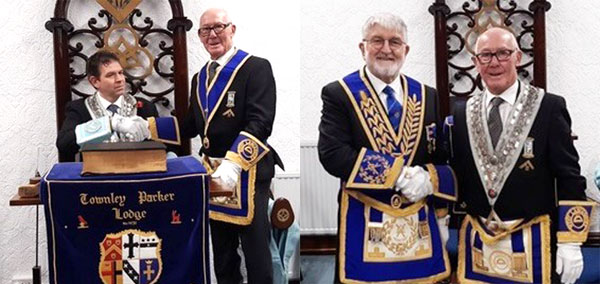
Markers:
point(388, 21)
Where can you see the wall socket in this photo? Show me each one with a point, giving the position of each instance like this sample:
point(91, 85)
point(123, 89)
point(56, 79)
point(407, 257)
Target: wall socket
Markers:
point(22, 280)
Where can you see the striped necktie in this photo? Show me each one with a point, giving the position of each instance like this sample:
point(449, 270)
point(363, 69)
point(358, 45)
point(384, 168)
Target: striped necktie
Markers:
point(495, 121)
point(394, 107)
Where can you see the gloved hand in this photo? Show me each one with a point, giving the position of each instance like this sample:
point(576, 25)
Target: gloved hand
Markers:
point(134, 128)
point(228, 172)
point(418, 184)
point(442, 223)
point(402, 181)
point(569, 262)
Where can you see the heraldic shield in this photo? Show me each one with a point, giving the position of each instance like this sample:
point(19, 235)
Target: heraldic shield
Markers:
point(130, 256)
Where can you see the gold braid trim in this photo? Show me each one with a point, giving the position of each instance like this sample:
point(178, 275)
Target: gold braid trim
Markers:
point(377, 124)
point(410, 130)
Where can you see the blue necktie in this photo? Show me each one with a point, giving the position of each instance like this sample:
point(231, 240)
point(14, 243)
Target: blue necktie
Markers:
point(394, 107)
point(113, 108)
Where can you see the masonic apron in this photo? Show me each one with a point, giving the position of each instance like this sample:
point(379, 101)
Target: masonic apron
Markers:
point(383, 237)
point(246, 150)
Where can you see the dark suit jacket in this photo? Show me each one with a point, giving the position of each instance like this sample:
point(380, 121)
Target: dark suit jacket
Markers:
point(77, 113)
point(254, 113)
point(341, 135)
point(526, 194)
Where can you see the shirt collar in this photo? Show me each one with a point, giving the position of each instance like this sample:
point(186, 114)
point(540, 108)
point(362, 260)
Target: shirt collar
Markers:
point(379, 85)
point(105, 103)
point(509, 95)
point(225, 57)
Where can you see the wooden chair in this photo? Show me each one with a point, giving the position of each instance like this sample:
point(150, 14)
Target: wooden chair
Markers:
point(150, 53)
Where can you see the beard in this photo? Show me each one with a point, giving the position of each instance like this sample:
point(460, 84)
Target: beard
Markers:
point(385, 69)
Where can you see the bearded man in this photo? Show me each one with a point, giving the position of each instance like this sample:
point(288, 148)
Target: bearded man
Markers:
point(379, 134)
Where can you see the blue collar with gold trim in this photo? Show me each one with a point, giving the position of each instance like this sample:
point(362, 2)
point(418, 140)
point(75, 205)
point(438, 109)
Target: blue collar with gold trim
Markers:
point(374, 119)
point(210, 94)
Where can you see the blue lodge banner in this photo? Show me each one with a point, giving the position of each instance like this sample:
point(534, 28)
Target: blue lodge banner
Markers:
point(143, 228)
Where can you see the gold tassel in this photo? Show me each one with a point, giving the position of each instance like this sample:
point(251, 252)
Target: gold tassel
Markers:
point(478, 256)
point(423, 229)
point(519, 264)
point(376, 234)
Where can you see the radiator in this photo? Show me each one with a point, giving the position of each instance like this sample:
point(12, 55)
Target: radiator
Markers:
point(318, 192)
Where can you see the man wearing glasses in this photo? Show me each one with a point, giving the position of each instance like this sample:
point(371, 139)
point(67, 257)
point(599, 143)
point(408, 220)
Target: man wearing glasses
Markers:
point(232, 108)
point(518, 174)
point(379, 134)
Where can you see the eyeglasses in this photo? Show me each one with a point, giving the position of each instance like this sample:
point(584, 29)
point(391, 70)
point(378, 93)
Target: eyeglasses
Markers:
point(501, 55)
point(218, 28)
point(377, 42)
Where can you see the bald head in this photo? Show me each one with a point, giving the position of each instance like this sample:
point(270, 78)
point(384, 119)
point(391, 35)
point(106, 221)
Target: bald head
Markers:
point(496, 60)
point(216, 32)
point(215, 12)
point(497, 33)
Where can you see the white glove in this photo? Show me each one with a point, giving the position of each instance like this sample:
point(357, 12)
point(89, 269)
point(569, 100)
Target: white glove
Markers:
point(228, 172)
point(402, 181)
point(134, 128)
point(442, 223)
point(569, 262)
point(418, 184)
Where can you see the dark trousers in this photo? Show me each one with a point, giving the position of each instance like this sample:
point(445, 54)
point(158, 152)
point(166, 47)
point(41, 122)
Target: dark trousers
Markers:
point(255, 244)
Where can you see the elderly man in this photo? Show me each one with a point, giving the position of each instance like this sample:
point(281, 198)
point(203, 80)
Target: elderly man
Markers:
point(232, 108)
point(379, 134)
point(127, 113)
point(519, 176)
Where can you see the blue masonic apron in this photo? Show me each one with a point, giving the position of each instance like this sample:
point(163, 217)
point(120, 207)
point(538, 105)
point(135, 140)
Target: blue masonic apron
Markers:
point(384, 237)
point(239, 208)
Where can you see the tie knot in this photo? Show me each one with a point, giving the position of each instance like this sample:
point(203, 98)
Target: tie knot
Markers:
point(113, 108)
point(389, 91)
point(497, 101)
point(213, 66)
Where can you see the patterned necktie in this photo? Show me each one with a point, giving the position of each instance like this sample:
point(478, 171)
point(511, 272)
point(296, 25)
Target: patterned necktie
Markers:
point(212, 69)
point(495, 121)
point(113, 108)
point(394, 107)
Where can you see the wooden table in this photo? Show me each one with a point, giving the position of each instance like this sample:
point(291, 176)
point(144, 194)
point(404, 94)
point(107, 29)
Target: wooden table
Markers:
point(17, 200)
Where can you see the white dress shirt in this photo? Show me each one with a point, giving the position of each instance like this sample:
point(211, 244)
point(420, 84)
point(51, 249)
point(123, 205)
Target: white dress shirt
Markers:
point(379, 85)
point(509, 96)
point(224, 58)
point(105, 103)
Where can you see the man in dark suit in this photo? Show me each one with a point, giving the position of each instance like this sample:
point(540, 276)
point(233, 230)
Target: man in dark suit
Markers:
point(518, 174)
point(379, 134)
point(232, 108)
point(127, 112)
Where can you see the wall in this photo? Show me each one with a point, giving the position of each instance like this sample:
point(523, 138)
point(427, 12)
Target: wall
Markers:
point(27, 91)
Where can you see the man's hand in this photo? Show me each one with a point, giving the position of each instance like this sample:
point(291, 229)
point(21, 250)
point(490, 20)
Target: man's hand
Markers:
point(134, 128)
point(569, 262)
point(414, 183)
point(228, 172)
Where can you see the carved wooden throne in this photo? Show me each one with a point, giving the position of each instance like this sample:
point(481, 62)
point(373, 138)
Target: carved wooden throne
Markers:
point(459, 23)
point(154, 57)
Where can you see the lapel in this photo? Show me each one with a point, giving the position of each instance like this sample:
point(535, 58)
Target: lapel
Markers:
point(375, 122)
point(211, 94)
point(495, 165)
